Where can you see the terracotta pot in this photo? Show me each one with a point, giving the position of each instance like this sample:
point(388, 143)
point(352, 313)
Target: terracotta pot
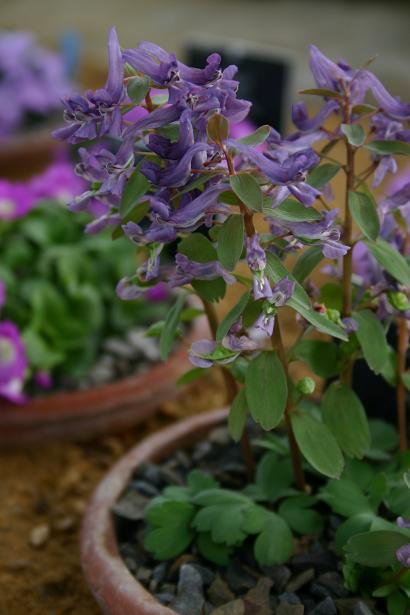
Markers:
point(27, 154)
point(115, 589)
point(80, 415)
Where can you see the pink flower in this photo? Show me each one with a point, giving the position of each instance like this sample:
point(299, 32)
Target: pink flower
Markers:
point(16, 200)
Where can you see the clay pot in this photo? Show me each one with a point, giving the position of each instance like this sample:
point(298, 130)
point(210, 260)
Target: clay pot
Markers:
point(80, 415)
point(25, 155)
point(115, 589)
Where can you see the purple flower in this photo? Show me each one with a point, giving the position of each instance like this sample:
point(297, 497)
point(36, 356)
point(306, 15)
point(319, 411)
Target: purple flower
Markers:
point(33, 80)
point(325, 232)
point(239, 343)
point(16, 200)
point(43, 379)
point(255, 254)
point(158, 293)
point(206, 353)
point(176, 173)
point(13, 361)
point(291, 173)
point(282, 292)
point(341, 78)
point(301, 119)
point(402, 523)
point(266, 322)
point(186, 271)
point(57, 182)
point(97, 113)
point(403, 555)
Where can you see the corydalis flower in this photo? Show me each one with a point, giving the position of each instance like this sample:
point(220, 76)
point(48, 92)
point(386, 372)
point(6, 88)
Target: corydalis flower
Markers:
point(186, 271)
point(341, 78)
point(97, 113)
point(206, 353)
point(324, 232)
point(278, 297)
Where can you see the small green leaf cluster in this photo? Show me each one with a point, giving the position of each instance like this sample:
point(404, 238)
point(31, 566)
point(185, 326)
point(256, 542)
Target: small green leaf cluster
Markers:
point(217, 521)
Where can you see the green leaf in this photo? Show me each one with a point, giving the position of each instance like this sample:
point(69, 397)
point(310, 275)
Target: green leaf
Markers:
point(266, 390)
point(295, 511)
point(344, 415)
point(39, 353)
point(322, 357)
point(137, 88)
point(307, 262)
point(292, 211)
point(345, 498)
point(214, 552)
point(169, 331)
point(248, 190)
point(321, 92)
point(372, 340)
point(237, 415)
point(223, 521)
point(320, 176)
point(217, 128)
point(364, 214)
point(230, 241)
point(231, 317)
point(353, 525)
point(354, 133)
point(384, 439)
point(136, 186)
point(391, 260)
point(397, 603)
point(332, 296)
point(136, 214)
point(375, 549)
point(274, 477)
point(385, 148)
point(200, 481)
point(317, 444)
point(274, 545)
point(256, 138)
point(170, 533)
point(300, 300)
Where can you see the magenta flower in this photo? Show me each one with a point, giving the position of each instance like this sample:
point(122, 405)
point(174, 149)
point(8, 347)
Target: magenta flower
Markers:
point(13, 362)
point(16, 200)
point(57, 182)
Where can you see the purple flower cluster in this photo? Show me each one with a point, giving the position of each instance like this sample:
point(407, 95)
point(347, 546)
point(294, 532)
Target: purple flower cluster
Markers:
point(32, 80)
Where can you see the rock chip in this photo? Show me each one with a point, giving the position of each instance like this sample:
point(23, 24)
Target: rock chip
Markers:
point(131, 506)
point(236, 607)
point(326, 607)
point(361, 608)
point(257, 599)
point(290, 609)
point(329, 584)
point(280, 576)
point(300, 580)
point(289, 598)
point(219, 592)
point(39, 535)
point(190, 597)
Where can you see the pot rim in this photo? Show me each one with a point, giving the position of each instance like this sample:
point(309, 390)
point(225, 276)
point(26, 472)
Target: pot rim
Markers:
point(86, 413)
point(117, 592)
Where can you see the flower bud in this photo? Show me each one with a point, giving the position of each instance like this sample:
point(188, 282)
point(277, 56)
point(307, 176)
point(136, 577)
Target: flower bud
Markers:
point(306, 386)
point(398, 300)
point(333, 315)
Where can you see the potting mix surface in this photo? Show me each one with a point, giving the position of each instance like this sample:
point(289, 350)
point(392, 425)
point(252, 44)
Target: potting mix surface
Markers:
point(43, 493)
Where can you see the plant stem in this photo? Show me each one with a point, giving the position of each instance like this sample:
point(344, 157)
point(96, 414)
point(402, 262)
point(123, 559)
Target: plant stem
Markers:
point(277, 344)
point(347, 239)
point(402, 345)
point(231, 389)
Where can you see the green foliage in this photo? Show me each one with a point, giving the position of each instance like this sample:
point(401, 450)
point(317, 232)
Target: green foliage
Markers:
point(247, 190)
point(307, 262)
point(323, 174)
point(364, 213)
point(323, 358)
point(354, 133)
point(199, 249)
point(230, 242)
point(137, 185)
point(232, 316)
point(217, 128)
point(375, 549)
point(391, 260)
point(372, 340)
point(344, 415)
point(317, 444)
point(55, 275)
point(169, 331)
point(137, 88)
point(266, 390)
point(237, 415)
point(256, 138)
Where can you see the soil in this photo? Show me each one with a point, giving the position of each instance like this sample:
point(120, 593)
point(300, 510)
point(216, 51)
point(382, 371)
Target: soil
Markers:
point(43, 493)
point(191, 585)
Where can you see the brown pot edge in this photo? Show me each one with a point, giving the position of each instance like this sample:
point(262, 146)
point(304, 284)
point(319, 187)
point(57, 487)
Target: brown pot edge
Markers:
point(115, 589)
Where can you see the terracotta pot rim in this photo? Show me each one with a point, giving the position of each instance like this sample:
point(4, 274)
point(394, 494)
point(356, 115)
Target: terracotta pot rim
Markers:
point(86, 413)
point(117, 592)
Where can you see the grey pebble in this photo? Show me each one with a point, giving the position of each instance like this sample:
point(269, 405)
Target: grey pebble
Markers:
point(300, 580)
point(326, 607)
point(190, 597)
point(362, 609)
